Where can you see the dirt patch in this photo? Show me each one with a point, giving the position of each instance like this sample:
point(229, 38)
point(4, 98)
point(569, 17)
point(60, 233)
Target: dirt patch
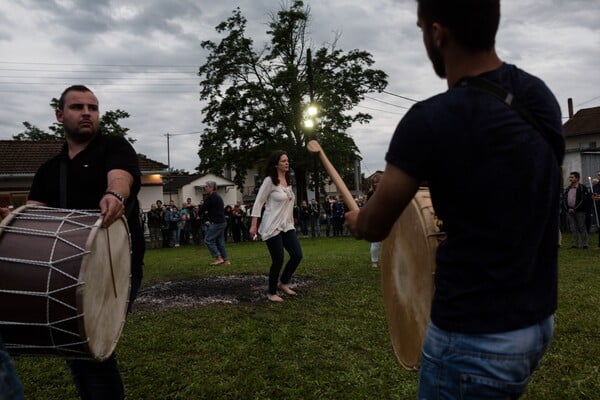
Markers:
point(229, 289)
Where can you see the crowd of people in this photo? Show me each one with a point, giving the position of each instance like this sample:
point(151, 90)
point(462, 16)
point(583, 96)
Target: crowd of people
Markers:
point(169, 225)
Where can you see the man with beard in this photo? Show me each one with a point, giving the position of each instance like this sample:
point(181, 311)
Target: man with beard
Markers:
point(496, 277)
point(93, 171)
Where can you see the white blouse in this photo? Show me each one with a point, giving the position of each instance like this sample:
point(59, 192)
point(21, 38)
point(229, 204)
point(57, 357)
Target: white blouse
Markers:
point(279, 209)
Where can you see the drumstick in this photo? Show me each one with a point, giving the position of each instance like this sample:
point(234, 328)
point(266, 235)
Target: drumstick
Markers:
point(314, 147)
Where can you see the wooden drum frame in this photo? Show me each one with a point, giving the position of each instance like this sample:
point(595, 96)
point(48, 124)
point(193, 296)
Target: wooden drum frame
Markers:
point(407, 276)
point(64, 282)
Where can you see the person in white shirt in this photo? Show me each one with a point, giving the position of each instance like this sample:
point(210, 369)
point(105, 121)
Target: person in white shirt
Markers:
point(276, 227)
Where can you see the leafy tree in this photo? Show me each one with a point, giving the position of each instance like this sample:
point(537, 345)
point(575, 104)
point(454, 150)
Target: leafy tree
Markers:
point(32, 132)
point(109, 125)
point(256, 100)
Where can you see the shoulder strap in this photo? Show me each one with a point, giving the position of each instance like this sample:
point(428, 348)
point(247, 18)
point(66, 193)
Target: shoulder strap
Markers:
point(62, 184)
point(508, 98)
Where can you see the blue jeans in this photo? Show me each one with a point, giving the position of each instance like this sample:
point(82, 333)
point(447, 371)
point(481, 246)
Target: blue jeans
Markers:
point(215, 240)
point(10, 385)
point(481, 366)
point(316, 225)
point(288, 241)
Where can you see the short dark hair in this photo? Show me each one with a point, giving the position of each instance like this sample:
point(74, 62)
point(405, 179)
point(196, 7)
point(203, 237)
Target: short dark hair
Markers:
point(473, 23)
point(575, 174)
point(76, 88)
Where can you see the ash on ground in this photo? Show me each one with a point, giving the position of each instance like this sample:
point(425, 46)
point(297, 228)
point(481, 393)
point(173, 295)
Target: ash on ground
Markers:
point(229, 289)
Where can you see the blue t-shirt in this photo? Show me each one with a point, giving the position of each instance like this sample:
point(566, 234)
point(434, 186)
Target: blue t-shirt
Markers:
point(495, 184)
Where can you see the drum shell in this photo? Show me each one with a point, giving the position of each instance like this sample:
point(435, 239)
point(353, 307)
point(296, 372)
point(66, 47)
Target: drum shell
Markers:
point(49, 262)
point(408, 268)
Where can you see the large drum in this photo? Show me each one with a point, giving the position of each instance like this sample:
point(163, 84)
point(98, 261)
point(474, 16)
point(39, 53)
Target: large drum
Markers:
point(64, 282)
point(408, 268)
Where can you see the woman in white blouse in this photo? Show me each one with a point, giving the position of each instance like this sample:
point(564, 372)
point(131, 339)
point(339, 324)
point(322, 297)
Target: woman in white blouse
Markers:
point(277, 223)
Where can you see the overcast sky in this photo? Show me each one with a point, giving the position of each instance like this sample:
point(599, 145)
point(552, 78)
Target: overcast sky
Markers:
point(143, 56)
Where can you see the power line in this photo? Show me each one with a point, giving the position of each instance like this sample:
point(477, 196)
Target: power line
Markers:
point(587, 101)
point(402, 97)
point(385, 102)
point(99, 65)
point(376, 109)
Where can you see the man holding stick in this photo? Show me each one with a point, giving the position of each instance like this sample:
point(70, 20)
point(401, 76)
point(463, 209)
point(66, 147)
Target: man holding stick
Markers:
point(496, 276)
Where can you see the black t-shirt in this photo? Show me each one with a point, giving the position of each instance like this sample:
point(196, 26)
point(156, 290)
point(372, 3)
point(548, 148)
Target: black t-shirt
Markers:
point(87, 182)
point(495, 184)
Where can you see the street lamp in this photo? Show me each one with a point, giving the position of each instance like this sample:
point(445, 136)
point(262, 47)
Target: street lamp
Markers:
point(310, 116)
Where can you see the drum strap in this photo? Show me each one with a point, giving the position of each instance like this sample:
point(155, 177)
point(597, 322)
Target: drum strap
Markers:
point(62, 184)
point(508, 98)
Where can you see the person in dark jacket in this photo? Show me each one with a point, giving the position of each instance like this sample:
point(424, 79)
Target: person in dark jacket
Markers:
point(576, 202)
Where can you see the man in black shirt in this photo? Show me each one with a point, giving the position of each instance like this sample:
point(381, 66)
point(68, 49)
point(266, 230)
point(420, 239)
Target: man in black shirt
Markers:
point(497, 270)
point(97, 172)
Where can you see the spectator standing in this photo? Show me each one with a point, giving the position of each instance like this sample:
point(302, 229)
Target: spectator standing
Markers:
point(304, 217)
point(576, 202)
point(236, 223)
point(173, 219)
point(155, 221)
point(315, 218)
point(328, 208)
point(337, 217)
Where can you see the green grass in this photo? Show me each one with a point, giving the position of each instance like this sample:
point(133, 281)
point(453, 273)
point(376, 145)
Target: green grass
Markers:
point(331, 342)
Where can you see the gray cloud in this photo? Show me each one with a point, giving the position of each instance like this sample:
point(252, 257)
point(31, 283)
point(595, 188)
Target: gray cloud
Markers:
point(142, 57)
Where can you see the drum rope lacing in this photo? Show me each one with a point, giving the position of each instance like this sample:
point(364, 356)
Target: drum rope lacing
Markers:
point(79, 226)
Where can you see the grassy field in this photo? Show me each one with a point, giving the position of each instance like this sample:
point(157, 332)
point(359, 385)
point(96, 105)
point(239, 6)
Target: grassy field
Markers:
point(330, 342)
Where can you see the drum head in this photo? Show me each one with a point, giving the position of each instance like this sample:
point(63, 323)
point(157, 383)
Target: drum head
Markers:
point(104, 295)
point(408, 266)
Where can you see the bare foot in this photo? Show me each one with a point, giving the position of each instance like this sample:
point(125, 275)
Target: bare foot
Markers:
point(218, 261)
point(286, 289)
point(274, 298)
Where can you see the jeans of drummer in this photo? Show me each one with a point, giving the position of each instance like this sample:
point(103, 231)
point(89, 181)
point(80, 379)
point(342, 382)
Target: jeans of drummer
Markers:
point(215, 240)
point(10, 385)
point(97, 380)
point(481, 366)
point(288, 241)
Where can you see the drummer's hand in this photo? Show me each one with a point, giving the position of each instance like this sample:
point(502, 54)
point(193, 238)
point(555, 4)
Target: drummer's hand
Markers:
point(350, 220)
point(111, 209)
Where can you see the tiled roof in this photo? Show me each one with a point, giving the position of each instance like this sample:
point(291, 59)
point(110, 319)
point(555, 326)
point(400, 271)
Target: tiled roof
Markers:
point(25, 157)
point(585, 121)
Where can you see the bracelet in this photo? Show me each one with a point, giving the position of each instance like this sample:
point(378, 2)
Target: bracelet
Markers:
point(117, 195)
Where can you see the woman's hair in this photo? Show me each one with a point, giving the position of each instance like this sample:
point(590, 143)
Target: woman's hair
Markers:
point(271, 168)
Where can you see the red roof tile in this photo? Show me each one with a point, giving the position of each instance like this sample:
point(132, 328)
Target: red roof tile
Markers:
point(25, 157)
point(585, 121)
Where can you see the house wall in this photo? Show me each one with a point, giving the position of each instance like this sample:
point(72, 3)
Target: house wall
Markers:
point(148, 195)
point(195, 190)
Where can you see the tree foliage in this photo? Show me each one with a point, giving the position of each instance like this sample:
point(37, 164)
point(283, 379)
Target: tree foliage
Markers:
point(109, 125)
point(256, 100)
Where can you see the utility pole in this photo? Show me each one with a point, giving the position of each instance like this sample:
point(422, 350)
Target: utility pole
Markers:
point(309, 75)
point(168, 135)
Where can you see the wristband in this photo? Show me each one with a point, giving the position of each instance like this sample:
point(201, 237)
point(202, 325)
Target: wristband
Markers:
point(117, 195)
